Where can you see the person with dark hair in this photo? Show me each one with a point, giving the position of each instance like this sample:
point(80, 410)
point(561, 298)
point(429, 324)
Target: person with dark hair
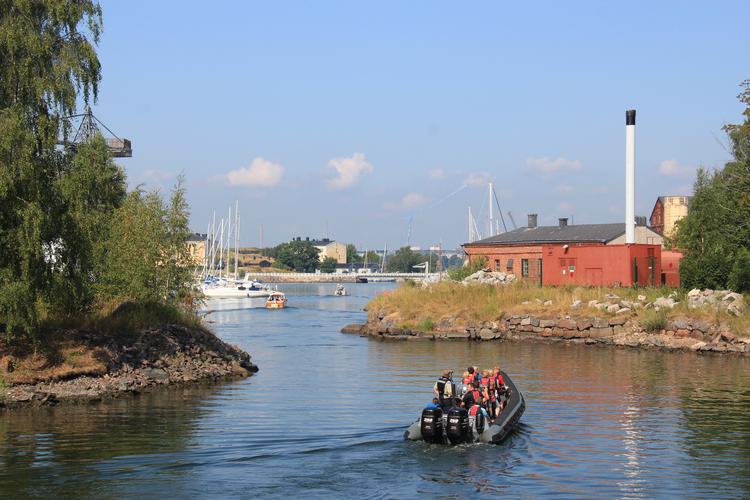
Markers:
point(474, 396)
point(444, 389)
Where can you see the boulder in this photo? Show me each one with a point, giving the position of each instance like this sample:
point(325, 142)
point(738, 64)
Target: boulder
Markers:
point(567, 324)
point(547, 323)
point(584, 323)
point(613, 308)
point(665, 303)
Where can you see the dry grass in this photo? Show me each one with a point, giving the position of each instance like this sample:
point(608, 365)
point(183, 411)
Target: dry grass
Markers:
point(70, 347)
point(488, 303)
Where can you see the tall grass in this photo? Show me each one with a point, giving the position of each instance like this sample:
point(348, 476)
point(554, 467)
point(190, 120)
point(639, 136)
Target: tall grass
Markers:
point(489, 303)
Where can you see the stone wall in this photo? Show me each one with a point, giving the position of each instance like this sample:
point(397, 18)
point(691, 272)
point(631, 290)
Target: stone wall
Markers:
point(682, 333)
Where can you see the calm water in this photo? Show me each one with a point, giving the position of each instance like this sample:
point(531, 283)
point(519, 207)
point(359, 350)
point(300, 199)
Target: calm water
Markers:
point(325, 417)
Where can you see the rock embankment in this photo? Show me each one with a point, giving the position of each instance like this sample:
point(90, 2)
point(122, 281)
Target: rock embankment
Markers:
point(681, 333)
point(150, 358)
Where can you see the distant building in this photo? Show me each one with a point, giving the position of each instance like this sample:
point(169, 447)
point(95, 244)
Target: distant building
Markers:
point(328, 248)
point(667, 211)
point(584, 254)
point(196, 244)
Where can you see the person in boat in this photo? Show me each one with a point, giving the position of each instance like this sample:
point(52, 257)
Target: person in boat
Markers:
point(444, 389)
point(477, 414)
point(434, 405)
point(473, 396)
point(469, 376)
point(491, 395)
point(502, 390)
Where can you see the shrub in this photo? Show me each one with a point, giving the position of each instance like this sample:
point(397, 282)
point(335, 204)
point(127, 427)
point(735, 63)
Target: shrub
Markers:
point(426, 325)
point(739, 276)
point(654, 321)
point(459, 273)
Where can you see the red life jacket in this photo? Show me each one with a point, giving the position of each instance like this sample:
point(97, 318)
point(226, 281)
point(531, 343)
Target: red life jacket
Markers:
point(476, 394)
point(473, 411)
point(499, 382)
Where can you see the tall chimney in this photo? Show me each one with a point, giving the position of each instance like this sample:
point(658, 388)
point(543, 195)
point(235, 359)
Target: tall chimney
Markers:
point(630, 176)
point(532, 221)
point(562, 221)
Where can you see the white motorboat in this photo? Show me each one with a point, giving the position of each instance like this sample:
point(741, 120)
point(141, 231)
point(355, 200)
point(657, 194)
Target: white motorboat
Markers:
point(340, 290)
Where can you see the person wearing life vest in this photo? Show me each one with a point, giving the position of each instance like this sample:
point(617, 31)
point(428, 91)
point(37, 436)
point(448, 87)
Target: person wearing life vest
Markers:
point(491, 395)
point(470, 376)
point(503, 391)
point(434, 405)
point(474, 396)
point(477, 419)
point(444, 389)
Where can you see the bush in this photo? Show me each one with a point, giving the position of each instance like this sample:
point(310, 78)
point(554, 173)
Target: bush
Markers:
point(739, 276)
point(459, 273)
point(654, 321)
point(426, 325)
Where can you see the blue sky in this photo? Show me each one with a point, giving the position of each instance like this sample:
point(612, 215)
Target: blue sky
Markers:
point(356, 116)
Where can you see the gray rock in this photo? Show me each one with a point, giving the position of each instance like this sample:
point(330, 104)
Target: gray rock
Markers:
point(547, 302)
point(613, 308)
point(665, 302)
point(576, 304)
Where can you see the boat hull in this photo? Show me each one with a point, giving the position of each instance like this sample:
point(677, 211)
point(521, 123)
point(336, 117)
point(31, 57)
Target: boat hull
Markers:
point(504, 424)
point(233, 292)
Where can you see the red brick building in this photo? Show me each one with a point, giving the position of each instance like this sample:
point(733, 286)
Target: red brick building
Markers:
point(585, 254)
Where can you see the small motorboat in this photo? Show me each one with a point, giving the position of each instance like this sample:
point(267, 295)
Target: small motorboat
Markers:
point(340, 290)
point(276, 300)
point(455, 425)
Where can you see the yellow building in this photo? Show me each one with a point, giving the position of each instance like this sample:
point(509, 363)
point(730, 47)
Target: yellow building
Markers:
point(330, 248)
point(667, 211)
point(196, 244)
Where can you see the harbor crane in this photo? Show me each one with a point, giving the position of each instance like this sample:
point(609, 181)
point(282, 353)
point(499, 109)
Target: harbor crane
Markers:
point(512, 221)
point(118, 148)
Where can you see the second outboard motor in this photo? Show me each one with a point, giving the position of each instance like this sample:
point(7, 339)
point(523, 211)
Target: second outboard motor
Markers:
point(431, 425)
point(476, 421)
point(458, 426)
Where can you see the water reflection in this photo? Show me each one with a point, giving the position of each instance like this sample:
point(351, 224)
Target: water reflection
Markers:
point(326, 414)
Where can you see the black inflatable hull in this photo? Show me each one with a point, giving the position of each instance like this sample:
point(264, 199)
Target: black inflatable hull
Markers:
point(504, 424)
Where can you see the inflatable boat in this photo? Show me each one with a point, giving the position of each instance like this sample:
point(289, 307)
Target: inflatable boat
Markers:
point(455, 425)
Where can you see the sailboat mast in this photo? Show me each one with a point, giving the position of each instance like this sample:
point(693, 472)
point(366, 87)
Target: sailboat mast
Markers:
point(236, 235)
point(491, 222)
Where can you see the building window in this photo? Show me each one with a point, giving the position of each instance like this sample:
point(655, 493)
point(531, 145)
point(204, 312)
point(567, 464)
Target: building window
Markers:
point(525, 268)
point(509, 266)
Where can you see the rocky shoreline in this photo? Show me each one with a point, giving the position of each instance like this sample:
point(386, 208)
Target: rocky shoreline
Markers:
point(164, 356)
point(681, 333)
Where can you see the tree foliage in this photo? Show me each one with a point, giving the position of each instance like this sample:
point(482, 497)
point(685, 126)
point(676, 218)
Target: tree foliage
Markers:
point(352, 256)
point(47, 59)
point(69, 234)
point(715, 235)
point(328, 265)
point(298, 255)
point(404, 259)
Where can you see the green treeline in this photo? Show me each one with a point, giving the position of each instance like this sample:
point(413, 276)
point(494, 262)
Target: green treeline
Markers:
point(71, 237)
point(715, 236)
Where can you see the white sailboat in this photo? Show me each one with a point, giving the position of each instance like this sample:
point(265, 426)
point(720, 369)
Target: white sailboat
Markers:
point(216, 282)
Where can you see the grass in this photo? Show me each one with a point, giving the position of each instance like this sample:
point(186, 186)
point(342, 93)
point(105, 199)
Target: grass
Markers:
point(67, 347)
point(654, 321)
point(426, 325)
point(448, 299)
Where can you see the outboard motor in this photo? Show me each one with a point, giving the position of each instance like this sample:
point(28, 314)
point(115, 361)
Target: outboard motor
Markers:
point(458, 426)
point(431, 425)
point(476, 421)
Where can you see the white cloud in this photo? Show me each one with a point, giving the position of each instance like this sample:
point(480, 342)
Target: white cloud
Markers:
point(548, 167)
point(564, 188)
point(436, 174)
point(477, 179)
point(671, 168)
point(261, 172)
point(348, 170)
point(409, 201)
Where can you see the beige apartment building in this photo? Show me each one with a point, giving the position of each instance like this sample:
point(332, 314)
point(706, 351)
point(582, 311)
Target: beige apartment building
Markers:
point(667, 211)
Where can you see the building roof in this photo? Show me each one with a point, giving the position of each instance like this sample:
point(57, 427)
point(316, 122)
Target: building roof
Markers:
point(581, 233)
point(196, 237)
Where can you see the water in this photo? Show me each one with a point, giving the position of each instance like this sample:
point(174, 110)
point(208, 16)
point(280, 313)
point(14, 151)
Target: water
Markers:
point(325, 417)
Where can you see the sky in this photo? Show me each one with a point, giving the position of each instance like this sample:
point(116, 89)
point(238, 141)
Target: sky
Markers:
point(361, 120)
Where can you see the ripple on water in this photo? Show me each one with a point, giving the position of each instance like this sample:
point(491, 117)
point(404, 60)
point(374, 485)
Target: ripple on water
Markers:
point(326, 414)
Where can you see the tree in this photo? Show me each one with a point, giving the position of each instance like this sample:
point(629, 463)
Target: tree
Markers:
point(352, 256)
point(328, 265)
point(301, 256)
point(715, 235)
point(404, 260)
point(46, 63)
point(146, 253)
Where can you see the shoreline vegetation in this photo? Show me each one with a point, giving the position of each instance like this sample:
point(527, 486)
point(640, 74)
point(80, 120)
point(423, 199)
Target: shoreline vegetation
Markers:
point(595, 316)
point(134, 348)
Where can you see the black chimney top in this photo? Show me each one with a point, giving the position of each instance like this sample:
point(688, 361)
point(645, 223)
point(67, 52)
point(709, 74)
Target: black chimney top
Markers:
point(630, 117)
point(563, 221)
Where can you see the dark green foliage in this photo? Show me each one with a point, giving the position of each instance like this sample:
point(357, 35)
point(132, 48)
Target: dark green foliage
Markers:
point(739, 276)
point(328, 265)
point(352, 257)
point(654, 321)
point(46, 62)
point(459, 273)
point(404, 260)
point(715, 236)
point(298, 255)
